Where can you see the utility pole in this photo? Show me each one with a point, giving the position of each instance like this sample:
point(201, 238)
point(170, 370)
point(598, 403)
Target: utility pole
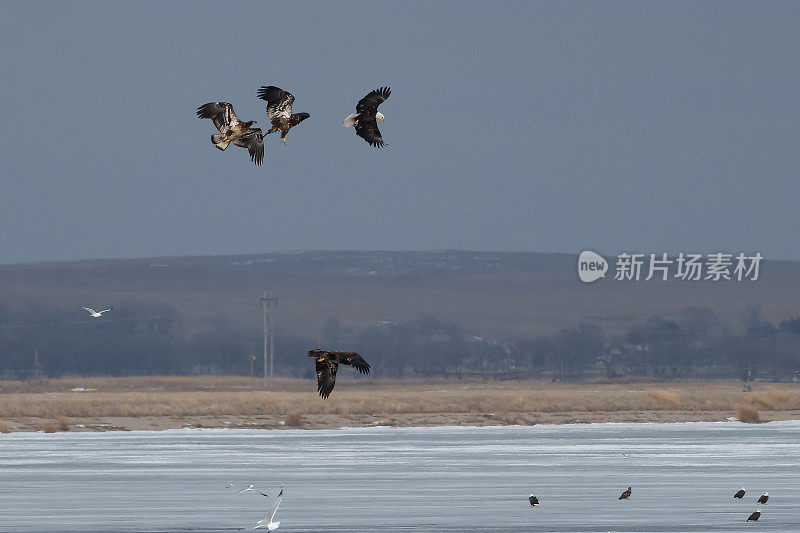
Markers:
point(267, 304)
point(36, 366)
point(252, 357)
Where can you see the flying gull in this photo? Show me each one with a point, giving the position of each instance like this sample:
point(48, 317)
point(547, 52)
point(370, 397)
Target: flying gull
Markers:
point(270, 523)
point(96, 314)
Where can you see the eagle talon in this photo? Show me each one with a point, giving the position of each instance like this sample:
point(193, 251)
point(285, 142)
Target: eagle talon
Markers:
point(283, 141)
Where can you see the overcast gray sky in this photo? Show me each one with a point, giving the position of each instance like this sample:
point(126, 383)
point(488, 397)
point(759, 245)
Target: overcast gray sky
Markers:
point(512, 126)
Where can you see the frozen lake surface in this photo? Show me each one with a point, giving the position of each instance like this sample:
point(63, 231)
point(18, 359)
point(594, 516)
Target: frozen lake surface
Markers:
point(406, 479)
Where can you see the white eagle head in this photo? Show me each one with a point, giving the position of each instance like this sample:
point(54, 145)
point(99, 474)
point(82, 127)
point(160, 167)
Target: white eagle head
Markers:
point(379, 115)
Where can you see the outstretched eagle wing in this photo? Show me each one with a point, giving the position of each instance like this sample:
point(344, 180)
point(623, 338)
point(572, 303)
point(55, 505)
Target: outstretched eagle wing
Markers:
point(279, 102)
point(353, 359)
point(220, 113)
point(253, 140)
point(326, 377)
point(369, 132)
point(369, 104)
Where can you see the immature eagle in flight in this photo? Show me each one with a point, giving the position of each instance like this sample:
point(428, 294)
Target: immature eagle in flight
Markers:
point(328, 363)
point(279, 110)
point(231, 129)
point(366, 115)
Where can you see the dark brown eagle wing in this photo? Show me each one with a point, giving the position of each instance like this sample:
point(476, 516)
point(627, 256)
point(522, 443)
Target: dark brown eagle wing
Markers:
point(279, 102)
point(253, 140)
point(352, 359)
point(220, 113)
point(326, 377)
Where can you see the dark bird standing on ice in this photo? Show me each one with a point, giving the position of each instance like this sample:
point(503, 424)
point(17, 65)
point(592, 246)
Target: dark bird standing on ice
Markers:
point(626, 495)
point(534, 500)
point(739, 494)
point(328, 363)
point(366, 117)
point(763, 499)
point(231, 129)
point(755, 516)
point(279, 110)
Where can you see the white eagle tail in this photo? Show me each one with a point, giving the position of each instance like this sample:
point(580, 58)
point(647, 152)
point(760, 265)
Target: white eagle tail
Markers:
point(349, 120)
point(217, 140)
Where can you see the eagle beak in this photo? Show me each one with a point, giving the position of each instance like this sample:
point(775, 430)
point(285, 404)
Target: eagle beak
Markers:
point(381, 119)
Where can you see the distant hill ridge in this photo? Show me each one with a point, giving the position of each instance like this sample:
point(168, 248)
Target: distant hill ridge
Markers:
point(329, 262)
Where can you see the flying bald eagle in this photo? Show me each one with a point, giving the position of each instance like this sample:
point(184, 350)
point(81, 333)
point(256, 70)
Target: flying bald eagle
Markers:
point(626, 495)
point(365, 119)
point(231, 129)
point(763, 499)
point(534, 500)
point(279, 110)
point(739, 494)
point(328, 363)
point(755, 516)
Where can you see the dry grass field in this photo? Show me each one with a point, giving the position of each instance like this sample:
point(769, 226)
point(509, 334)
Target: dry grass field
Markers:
point(214, 401)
